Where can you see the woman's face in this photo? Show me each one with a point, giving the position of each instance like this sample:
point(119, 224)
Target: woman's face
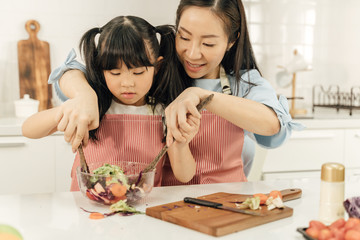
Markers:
point(201, 42)
point(129, 85)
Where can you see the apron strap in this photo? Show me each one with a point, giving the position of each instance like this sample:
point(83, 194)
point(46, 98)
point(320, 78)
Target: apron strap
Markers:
point(224, 80)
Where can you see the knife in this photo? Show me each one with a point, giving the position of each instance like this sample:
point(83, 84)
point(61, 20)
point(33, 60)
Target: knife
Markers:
point(219, 206)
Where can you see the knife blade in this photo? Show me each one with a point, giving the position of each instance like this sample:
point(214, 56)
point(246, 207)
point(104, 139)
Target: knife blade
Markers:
point(219, 206)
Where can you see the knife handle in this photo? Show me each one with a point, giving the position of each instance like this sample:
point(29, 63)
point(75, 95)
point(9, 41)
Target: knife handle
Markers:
point(202, 202)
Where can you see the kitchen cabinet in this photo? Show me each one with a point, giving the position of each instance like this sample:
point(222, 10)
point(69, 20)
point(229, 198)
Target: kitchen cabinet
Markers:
point(26, 165)
point(35, 165)
point(322, 141)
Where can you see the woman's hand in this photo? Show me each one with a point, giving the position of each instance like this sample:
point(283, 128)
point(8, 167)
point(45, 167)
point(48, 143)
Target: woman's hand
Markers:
point(76, 117)
point(179, 111)
point(194, 123)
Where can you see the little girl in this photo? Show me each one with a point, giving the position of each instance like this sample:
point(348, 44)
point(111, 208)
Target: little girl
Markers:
point(133, 77)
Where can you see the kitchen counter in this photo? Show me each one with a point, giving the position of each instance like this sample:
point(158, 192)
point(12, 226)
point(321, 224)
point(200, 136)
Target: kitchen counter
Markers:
point(58, 215)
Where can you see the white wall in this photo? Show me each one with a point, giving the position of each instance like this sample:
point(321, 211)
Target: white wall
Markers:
point(326, 32)
point(62, 23)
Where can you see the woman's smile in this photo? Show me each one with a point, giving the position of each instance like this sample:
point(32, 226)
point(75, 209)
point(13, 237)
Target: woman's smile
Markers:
point(193, 67)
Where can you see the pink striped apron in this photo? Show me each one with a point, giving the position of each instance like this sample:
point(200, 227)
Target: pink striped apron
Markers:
point(216, 149)
point(124, 138)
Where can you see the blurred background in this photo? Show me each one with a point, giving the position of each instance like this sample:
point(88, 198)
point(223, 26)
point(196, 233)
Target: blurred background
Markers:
point(325, 32)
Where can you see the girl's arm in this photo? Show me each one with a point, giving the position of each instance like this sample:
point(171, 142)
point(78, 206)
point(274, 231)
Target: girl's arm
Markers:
point(40, 124)
point(250, 115)
point(80, 113)
point(182, 161)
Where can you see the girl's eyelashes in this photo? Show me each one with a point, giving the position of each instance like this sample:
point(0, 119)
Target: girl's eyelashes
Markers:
point(209, 44)
point(139, 73)
point(115, 73)
point(184, 38)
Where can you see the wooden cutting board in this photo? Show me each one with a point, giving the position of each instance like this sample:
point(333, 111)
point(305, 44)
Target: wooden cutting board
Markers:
point(217, 222)
point(34, 66)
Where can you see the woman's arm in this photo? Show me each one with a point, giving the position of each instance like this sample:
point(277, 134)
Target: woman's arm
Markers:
point(40, 124)
point(181, 160)
point(80, 113)
point(247, 114)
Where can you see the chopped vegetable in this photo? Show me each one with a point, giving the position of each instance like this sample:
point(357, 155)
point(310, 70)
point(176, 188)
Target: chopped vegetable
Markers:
point(262, 197)
point(96, 215)
point(275, 194)
point(121, 206)
point(252, 203)
point(274, 203)
point(114, 173)
point(117, 189)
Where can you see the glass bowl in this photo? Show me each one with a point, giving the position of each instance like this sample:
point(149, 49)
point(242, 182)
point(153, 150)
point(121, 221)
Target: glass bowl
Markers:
point(132, 185)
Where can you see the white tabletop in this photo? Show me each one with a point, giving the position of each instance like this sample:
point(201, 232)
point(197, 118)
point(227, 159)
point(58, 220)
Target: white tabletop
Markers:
point(58, 215)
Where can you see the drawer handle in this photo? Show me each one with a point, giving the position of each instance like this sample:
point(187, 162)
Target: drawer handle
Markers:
point(313, 136)
point(12, 144)
point(357, 135)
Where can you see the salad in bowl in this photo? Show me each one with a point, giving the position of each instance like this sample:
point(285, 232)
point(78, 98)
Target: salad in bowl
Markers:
point(109, 184)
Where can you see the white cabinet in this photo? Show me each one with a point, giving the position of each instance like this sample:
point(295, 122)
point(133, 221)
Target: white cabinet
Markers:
point(64, 158)
point(306, 150)
point(34, 165)
point(27, 165)
point(352, 148)
point(322, 141)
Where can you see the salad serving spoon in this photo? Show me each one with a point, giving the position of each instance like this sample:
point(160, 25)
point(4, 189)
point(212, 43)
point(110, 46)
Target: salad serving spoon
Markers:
point(83, 165)
point(151, 166)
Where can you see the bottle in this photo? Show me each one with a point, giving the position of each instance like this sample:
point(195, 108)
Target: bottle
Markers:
point(332, 190)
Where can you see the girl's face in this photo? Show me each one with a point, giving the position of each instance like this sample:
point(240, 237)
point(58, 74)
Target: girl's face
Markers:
point(201, 42)
point(129, 86)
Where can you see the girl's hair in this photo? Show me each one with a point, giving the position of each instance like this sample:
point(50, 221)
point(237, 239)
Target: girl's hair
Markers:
point(240, 56)
point(132, 41)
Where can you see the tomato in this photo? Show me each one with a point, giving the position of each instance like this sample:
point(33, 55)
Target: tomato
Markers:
point(313, 232)
point(325, 234)
point(90, 196)
point(352, 235)
point(338, 223)
point(338, 233)
point(352, 223)
point(317, 224)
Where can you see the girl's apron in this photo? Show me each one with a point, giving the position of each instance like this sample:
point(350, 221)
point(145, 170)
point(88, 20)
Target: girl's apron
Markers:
point(216, 149)
point(124, 138)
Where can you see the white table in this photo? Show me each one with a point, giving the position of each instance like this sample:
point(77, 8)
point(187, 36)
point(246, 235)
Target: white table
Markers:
point(58, 215)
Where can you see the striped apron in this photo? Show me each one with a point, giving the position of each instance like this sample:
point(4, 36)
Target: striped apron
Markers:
point(216, 149)
point(124, 138)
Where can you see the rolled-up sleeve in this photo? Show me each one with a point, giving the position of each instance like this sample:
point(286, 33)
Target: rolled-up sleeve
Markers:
point(263, 93)
point(56, 74)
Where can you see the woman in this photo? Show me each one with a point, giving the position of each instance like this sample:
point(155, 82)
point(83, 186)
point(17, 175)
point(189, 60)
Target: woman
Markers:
point(213, 46)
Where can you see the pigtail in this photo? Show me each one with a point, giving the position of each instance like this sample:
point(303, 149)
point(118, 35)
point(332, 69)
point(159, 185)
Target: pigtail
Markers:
point(169, 81)
point(94, 74)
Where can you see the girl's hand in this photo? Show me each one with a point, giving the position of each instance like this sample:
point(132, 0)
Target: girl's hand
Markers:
point(177, 114)
point(76, 117)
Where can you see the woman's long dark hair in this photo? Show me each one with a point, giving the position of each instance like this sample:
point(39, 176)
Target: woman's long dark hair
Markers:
point(131, 40)
point(232, 13)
